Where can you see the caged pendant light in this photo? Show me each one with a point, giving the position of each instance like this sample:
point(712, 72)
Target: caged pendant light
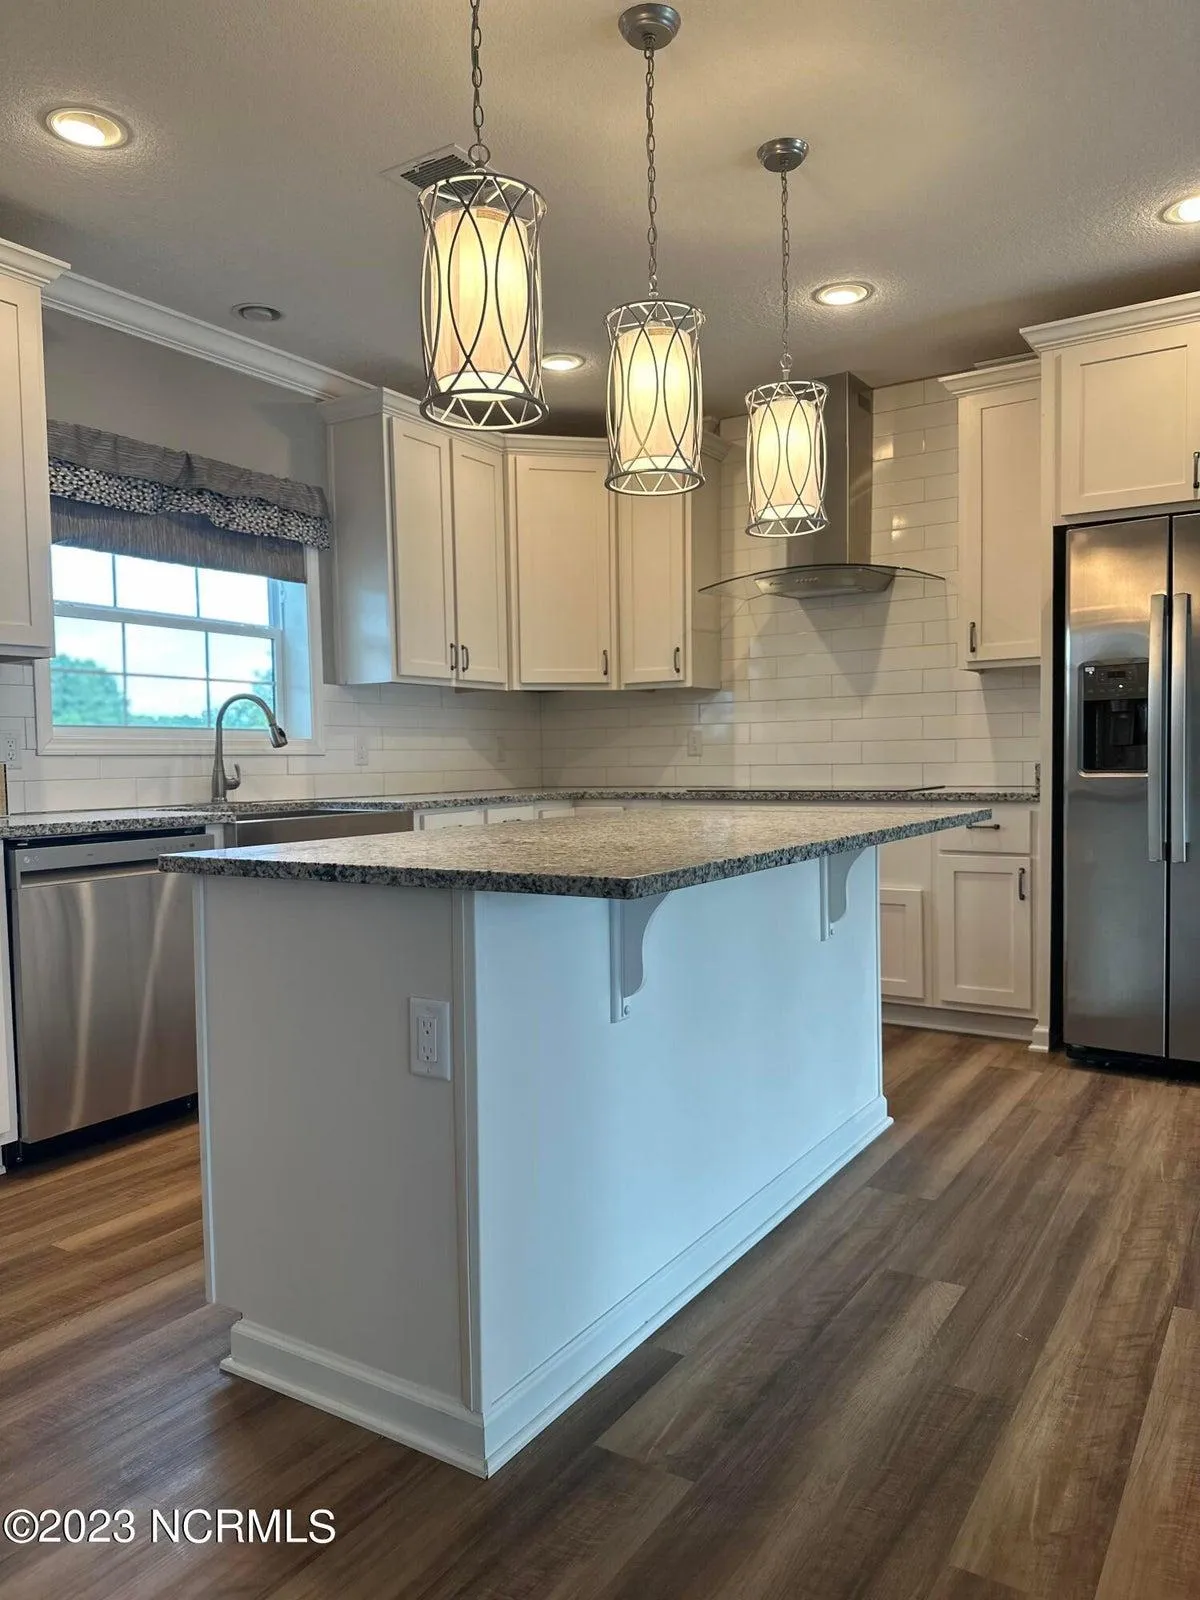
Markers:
point(654, 390)
point(785, 442)
point(481, 289)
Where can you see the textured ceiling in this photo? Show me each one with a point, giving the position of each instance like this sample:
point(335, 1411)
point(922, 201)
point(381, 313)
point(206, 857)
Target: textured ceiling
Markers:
point(985, 164)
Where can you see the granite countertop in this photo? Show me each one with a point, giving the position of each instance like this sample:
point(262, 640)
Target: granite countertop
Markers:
point(622, 857)
point(171, 819)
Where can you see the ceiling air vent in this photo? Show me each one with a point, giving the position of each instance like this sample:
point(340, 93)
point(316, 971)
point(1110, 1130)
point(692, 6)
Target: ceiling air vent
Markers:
point(421, 171)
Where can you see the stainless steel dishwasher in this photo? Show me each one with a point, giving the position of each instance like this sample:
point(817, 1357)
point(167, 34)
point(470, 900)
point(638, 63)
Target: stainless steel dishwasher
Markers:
point(103, 981)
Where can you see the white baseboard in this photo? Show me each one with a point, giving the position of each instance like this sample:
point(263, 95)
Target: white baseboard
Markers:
point(444, 1428)
point(991, 1025)
point(1041, 1038)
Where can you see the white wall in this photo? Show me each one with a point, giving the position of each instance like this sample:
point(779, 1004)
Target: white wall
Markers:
point(848, 693)
point(419, 739)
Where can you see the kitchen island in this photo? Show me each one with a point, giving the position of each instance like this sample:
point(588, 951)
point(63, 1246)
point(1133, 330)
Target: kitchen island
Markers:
point(482, 1108)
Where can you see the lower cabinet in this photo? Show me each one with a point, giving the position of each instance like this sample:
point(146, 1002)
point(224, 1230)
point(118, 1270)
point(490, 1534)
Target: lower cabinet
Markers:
point(985, 931)
point(902, 943)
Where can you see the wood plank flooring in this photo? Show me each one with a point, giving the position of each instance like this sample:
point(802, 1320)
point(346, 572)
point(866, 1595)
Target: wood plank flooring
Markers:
point(967, 1369)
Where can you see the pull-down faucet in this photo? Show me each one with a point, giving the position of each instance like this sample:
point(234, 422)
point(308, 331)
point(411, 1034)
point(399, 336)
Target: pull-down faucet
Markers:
point(221, 781)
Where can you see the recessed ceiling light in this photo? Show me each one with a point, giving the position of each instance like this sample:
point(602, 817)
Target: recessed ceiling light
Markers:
point(95, 130)
point(257, 313)
point(843, 294)
point(561, 361)
point(1185, 210)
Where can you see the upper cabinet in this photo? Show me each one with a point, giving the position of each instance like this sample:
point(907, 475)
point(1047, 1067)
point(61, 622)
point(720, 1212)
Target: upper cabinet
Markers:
point(1000, 523)
point(419, 552)
point(1124, 388)
point(668, 548)
point(563, 542)
point(26, 624)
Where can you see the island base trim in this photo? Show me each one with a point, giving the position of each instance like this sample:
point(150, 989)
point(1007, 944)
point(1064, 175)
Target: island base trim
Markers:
point(482, 1444)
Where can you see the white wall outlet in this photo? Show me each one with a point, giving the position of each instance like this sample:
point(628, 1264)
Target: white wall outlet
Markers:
point(362, 750)
point(429, 1038)
point(10, 750)
point(695, 741)
point(501, 750)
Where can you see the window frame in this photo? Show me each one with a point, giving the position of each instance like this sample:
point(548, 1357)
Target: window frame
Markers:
point(114, 739)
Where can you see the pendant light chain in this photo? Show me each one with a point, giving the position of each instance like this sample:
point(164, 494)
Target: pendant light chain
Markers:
point(651, 174)
point(479, 153)
point(785, 360)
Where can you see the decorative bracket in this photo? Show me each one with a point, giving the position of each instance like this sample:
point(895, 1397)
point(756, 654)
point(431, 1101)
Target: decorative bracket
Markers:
point(627, 924)
point(834, 872)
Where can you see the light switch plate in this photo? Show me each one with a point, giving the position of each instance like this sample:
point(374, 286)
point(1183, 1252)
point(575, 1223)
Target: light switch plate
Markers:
point(362, 750)
point(695, 742)
point(429, 1038)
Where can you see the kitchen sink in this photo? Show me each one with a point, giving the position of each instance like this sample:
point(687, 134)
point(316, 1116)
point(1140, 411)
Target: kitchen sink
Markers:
point(289, 827)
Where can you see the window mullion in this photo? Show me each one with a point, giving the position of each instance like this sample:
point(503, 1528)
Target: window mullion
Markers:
point(156, 619)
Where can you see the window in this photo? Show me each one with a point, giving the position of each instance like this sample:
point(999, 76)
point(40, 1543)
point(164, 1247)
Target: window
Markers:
point(155, 644)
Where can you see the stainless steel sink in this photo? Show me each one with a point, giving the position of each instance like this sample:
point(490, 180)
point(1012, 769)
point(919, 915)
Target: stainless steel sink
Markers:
point(289, 827)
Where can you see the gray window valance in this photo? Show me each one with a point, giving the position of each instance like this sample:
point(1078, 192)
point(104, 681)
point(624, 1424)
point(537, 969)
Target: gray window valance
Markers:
point(113, 493)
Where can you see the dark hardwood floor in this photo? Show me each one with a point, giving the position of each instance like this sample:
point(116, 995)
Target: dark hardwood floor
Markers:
point(967, 1369)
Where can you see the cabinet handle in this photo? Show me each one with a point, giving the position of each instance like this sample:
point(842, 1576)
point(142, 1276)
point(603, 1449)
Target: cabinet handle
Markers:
point(1196, 471)
point(1021, 895)
point(678, 659)
point(983, 827)
point(466, 659)
point(604, 662)
point(453, 658)
point(973, 638)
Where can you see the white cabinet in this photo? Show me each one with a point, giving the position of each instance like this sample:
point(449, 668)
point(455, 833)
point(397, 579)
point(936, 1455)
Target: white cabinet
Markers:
point(1000, 521)
point(26, 625)
point(8, 1074)
point(902, 943)
point(420, 557)
point(668, 546)
point(563, 542)
point(456, 817)
point(1124, 391)
point(985, 931)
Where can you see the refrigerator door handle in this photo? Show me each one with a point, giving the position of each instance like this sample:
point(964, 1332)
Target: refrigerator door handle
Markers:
point(1155, 789)
point(1181, 657)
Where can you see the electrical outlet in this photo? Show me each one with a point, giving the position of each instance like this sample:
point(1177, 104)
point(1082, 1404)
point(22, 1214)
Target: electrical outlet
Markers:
point(10, 750)
point(501, 750)
point(695, 742)
point(429, 1038)
point(362, 750)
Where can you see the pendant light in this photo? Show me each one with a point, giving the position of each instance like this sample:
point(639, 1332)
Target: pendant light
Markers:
point(481, 289)
point(785, 443)
point(655, 409)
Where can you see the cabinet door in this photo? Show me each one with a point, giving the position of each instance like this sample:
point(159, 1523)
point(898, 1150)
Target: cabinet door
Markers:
point(480, 564)
point(902, 943)
point(652, 561)
point(422, 551)
point(1129, 420)
point(984, 931)
point(1000, 455)
point(25, 622)
point(436, 821)
point(563, 537)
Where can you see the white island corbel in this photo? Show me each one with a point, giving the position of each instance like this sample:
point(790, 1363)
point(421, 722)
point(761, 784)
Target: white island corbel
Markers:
point(652, 1036)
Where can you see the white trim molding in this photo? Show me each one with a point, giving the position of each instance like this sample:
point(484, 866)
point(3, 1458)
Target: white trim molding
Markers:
point(1121, 319)
point(129, 313)
point(999, 375)
point(31, 266)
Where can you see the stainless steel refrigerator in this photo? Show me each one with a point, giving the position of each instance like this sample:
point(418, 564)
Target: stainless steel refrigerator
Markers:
point(1130, 840)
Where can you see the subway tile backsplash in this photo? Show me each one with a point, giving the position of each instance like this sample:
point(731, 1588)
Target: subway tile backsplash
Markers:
point(852, 692)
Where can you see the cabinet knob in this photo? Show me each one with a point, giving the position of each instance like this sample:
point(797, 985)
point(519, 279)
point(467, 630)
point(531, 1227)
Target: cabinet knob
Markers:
point(973, 638)
point(678, 659)
point(1021, 895)
point(604, 662)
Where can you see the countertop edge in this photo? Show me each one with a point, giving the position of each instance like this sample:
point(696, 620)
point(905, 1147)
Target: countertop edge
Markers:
point(249, 863)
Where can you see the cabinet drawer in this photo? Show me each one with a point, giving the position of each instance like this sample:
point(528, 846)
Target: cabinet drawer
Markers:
point(1005, 833)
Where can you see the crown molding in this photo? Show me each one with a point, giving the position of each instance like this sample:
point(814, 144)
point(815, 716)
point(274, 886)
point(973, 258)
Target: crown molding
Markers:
point(1165, 313)
point(1003, 375)
point(371, 402)
point(31, 266)
point(129, 313)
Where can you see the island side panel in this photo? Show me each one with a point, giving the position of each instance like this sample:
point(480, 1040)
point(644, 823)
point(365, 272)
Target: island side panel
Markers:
point(332, 1216)
point(623, 1165)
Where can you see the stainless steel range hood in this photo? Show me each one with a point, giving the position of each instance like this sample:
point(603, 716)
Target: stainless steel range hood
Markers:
point(836, 561)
